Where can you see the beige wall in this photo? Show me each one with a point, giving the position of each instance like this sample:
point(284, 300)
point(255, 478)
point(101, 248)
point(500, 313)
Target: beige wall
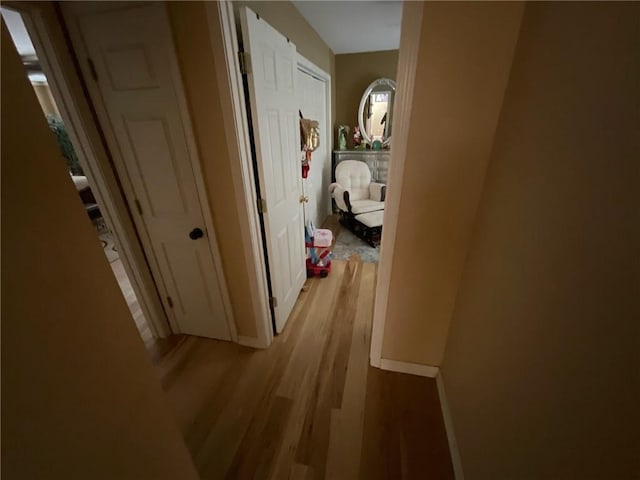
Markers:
point(195, 55)
point(285, 17)
point(541, 366)
point(79, 396)
point(464, 59)
point(354, 73)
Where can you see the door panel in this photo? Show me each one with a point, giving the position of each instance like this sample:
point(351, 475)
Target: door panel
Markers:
point(156, 167)
point(133, 57)
point(129, 68)
point(272, 88)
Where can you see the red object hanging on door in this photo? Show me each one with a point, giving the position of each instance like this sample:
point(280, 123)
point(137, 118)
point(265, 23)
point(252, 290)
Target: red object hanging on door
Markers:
point(306, 163)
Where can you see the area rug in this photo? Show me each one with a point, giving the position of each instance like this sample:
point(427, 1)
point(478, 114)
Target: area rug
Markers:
point(106, 240)
point(347, 244)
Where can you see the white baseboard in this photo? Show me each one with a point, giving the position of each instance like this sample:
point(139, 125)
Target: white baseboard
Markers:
point(448, 425)
point(412, 368)
point(252, 342)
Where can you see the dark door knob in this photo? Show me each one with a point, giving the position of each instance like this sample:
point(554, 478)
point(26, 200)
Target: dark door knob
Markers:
point(196, 233)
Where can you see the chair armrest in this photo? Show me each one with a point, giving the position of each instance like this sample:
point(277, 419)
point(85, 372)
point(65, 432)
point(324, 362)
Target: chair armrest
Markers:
point(377, 191)
point(341, 196)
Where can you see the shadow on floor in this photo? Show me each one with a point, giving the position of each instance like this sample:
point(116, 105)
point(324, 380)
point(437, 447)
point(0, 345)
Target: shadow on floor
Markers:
point(347, 244)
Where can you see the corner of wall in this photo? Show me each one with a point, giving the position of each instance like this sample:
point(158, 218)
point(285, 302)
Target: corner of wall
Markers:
point(456, 460)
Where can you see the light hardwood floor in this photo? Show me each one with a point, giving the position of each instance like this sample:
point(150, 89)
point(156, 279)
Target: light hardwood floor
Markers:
point(309, 407)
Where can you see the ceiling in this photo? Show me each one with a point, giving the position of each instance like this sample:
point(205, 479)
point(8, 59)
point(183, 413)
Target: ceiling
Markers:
point(346, 27)
point(18, 32)
point(355, 26)
point(22, 41)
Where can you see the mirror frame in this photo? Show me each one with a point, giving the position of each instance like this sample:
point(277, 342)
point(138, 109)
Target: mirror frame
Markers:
point(365, 96)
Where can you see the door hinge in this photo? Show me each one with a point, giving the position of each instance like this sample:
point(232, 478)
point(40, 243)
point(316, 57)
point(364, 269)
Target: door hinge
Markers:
point(262, 205)
point(170, 302)
point(138, 206)
point(273, 302)
point(92, 67)
point(243, 59)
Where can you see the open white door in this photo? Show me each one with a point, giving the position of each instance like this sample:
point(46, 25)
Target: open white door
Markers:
point(272, 75)
point(140, 103)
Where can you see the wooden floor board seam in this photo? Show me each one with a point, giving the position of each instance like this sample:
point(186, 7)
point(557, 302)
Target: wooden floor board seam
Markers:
point(310, 406)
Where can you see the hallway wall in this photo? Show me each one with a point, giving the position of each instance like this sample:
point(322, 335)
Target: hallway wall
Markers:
point(464, 58)
point(195, 55)
point(79, 396)
point(541, 366)
point(354, 73)
point(285, 17)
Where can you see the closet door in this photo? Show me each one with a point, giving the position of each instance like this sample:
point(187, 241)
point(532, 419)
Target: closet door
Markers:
point(274, 111)
point(135, 84)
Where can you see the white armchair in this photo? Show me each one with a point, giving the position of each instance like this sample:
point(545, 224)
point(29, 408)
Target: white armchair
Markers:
point(354, 192)
point(361, 201)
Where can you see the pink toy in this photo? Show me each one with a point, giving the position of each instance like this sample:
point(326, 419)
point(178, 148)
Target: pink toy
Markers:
point(319, 260)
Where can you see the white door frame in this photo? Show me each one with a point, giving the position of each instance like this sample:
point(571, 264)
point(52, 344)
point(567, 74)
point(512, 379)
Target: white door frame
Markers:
point(71, 12)
point(312, 69)
point(224, 42)
point(74, 107)
point(407, 64)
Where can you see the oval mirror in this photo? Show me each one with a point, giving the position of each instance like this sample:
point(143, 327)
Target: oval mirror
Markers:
point(376, 108)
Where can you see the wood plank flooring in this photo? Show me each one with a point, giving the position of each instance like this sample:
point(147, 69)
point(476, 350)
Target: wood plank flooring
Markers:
point(309, 407)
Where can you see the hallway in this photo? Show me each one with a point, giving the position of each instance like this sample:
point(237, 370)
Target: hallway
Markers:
point(310, 406)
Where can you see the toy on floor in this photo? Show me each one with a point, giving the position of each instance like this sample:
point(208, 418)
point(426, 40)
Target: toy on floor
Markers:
point(318, 242)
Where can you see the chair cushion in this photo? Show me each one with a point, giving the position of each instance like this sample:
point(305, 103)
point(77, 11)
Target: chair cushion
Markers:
point(365, 206)
point(80, 182)
point(354, 176)
point(371, 219)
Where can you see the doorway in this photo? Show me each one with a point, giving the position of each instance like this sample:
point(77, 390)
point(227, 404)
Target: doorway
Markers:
point(35, 64)
point(246, 132)
point(128, 62)
point(280, 87)
point(314, 99)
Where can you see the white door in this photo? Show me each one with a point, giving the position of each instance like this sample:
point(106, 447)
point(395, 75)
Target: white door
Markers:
point(311, 93)
point(149, 136)
point(274, 110)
